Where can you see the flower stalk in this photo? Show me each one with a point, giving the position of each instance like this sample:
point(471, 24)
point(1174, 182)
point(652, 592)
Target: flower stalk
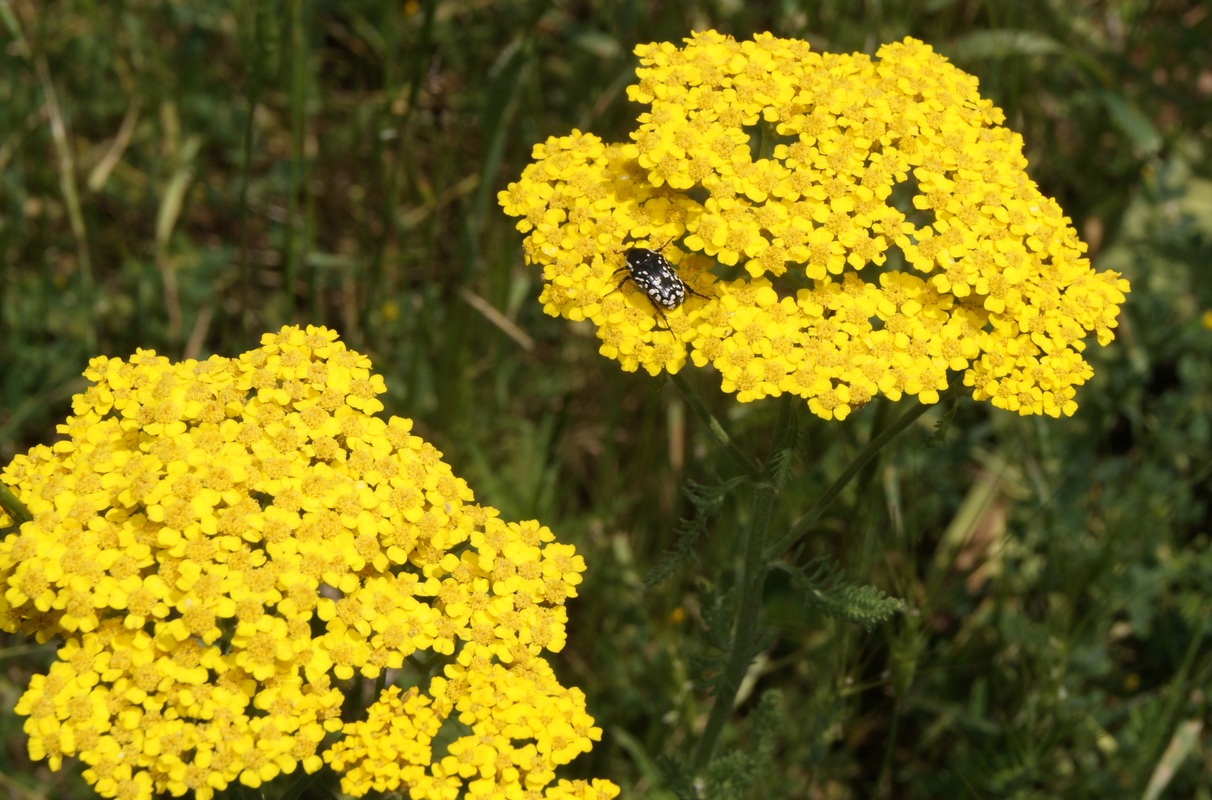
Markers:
point(721, 436)
point(745, 632)
point(868, 452)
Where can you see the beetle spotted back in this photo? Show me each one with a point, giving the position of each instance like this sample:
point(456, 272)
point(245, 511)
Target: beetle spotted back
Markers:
point(655, 276)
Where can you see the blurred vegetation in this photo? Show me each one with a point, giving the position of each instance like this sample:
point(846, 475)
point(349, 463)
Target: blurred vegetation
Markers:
point(183, 176)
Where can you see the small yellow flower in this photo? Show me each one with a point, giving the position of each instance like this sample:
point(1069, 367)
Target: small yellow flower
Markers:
point(222, 544)
point(849, 226)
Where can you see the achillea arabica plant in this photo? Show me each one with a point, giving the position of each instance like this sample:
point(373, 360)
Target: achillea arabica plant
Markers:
point(222, 545)
point(856, 227)
point(835, 228)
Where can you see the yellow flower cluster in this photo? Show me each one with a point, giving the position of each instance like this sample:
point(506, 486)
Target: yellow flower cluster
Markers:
point(391, 748)
point(856, 227)
point(223, 544)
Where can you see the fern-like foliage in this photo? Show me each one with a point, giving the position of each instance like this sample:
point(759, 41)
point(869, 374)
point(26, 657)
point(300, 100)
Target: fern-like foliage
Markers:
point(707, 666)
point(707, 501)
point(741, 774)
point(827, 590)
point(677, 778)
point(950, 406)
point(783, 453)
point(717, 609)
point(781, 466)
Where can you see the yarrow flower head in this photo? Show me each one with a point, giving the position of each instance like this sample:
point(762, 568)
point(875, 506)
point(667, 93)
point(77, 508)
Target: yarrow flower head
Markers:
point(222, 545)
point(850, 226)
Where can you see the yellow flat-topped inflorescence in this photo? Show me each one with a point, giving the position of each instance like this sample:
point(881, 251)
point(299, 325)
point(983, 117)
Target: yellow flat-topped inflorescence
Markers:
point(856, 226)
point(222, 545)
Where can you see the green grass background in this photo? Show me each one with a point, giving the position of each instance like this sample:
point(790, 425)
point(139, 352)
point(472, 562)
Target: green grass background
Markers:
point(183, 176)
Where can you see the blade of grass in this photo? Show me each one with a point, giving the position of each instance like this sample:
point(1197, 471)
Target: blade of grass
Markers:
point(1181, 744)
point(67, 185)
point(166, 220)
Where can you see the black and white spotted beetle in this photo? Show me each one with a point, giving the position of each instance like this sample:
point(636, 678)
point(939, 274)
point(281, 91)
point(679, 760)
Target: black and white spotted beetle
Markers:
point(655, 277)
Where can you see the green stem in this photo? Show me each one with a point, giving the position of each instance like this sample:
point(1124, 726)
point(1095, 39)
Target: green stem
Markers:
point(13, 507)
point(744, 636)
point(717, 430)
point(877, 443)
